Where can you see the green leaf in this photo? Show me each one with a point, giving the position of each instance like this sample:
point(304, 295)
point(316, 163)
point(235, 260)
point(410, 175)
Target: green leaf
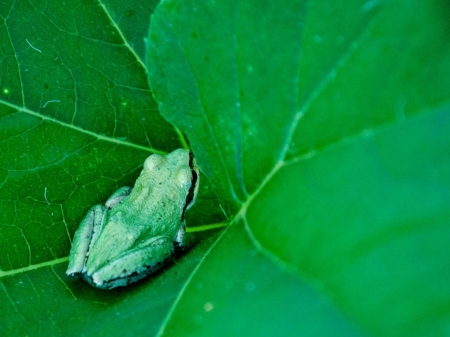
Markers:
point(259, 298)
point(321, 127)
point(325, 127)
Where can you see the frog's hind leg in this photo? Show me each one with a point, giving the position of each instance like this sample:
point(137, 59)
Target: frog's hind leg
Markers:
point(118, 196)
point(134, 265)
point(84, 238)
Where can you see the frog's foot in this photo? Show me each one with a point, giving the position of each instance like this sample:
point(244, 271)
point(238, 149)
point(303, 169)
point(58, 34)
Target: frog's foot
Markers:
point(182, 240)
point(133, 265)
point(84, 238)
point(118, 196)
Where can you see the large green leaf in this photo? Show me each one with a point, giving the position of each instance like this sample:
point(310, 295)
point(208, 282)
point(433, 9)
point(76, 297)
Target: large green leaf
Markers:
point(328, 128)
point(322, 127)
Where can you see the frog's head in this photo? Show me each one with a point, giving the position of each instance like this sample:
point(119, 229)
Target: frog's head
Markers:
point(178, 167)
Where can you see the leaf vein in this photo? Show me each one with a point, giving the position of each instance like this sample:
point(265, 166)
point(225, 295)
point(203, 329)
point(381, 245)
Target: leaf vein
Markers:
point(119, 31)
point(82, 130)
point(322, 85)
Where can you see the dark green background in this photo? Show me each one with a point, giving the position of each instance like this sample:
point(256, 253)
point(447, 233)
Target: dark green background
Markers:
point(323, 133)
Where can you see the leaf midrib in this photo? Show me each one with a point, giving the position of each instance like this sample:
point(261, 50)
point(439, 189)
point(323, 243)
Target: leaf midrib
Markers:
point(81, 130)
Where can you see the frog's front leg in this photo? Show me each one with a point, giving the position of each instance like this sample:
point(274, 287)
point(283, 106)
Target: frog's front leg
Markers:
point(88, 231)
point(134, 265)
point(118, 196)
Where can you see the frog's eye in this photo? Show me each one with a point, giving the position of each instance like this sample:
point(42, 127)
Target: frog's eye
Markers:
point(184, 177)
point(153, 162)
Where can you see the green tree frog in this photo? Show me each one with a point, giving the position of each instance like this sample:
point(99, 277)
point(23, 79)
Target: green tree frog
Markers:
point(137, 230)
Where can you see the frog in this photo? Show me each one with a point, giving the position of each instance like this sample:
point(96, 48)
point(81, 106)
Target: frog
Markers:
point(138, 230)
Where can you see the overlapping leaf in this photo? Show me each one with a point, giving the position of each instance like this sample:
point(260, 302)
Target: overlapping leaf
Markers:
point(330, 125)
